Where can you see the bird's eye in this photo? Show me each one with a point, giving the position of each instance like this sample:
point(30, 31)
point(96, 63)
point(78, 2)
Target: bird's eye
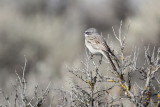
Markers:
point(87, 33)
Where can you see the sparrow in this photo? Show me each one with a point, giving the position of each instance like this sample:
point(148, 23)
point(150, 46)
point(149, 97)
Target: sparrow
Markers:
point(98, 46)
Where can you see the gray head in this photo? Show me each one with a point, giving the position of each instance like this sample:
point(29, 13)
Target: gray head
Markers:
point(91, 31)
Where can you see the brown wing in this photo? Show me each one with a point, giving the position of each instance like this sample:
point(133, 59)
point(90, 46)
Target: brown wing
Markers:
point(97, 42)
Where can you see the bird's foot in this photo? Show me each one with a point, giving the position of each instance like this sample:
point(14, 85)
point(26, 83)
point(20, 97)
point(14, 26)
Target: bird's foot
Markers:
point(91, 57)
point(100, 61)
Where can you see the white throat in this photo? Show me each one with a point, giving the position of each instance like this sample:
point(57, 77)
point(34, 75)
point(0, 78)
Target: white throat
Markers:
point(86, 35)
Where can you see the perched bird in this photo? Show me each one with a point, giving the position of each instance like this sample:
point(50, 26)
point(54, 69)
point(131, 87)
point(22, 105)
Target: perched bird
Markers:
point(97, 45)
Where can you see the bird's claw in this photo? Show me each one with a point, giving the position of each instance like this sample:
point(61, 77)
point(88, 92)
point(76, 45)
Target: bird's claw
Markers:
point(91, 57)
point(100, 61)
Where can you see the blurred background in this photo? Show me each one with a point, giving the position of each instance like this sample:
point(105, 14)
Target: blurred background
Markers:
point(50, 34)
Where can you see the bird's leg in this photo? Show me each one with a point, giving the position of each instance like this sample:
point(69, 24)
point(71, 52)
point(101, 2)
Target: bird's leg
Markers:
point(100, 61)
point(91, 57)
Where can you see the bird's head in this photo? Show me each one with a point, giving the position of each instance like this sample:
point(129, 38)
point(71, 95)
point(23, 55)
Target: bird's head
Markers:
point(90, 31)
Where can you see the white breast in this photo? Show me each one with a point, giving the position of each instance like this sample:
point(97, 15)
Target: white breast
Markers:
point(91, 49)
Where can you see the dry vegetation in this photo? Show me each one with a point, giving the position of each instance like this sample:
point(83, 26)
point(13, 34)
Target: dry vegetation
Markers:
point(145, 95)
point(94, 87)
point(50, 35)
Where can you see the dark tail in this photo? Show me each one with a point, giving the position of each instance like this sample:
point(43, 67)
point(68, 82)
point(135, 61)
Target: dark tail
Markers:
point(107, 56)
